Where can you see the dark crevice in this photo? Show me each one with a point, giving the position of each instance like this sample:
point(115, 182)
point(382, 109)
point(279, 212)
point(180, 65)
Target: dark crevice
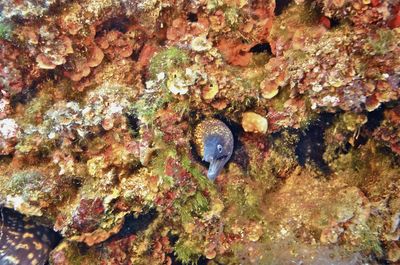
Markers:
point(77, 183)
point(192, 17)
point(280, 6)
point(374, 119)
point(136, 54)
point(261, 47)
point(346, 149)
point(133, 225)
point(6, 158)
point(172, 238)
point(240, 156)
point(134, 167)
point(235, 127)
point(25, 95)
point(335, 22)
point(83, 249)
point(201, 261)
point(343, 150)
point(133, 123)
point(311, 146)
point(28, 94)
point(361, 140)
point(120, 24)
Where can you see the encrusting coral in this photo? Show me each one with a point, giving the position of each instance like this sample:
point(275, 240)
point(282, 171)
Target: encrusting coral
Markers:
point(99, 103)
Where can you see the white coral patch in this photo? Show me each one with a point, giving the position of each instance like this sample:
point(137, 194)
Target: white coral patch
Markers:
point(114, 108)
point(177, 87)
point(160, 76)
point(330, 100)
point(179, 83)
point(200, 44)
point(8, 128)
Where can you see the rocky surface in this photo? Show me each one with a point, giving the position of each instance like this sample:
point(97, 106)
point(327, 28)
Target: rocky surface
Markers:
point(100, 99)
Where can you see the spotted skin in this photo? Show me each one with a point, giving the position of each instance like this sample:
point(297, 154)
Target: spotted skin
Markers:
point(23, 242)
point(214, 141)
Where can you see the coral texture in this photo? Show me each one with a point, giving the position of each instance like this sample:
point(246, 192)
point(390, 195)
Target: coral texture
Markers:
point(99, 101)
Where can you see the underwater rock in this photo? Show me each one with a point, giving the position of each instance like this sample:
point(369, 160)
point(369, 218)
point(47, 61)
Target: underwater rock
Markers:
point(85, 217)
point(298, 102)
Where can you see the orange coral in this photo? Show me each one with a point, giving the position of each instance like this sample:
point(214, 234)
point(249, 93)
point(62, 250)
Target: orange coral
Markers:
point(81, 64)
point(235, 52)
point(364, 14)
point(116, 44)
point(55, 50)
point(276, 77)
point(183, 30)
point(177, 30)
point(146, 54)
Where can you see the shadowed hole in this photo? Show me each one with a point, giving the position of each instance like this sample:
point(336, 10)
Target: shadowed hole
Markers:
point(374, 119)
point(133, 225)
point(121, 24)
point(311, 146)
point(280, 6)
point(192, 17)
point(133, 123)
point(261, 47)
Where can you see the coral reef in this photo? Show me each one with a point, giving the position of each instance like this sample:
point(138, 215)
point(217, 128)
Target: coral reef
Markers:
point(99, 101)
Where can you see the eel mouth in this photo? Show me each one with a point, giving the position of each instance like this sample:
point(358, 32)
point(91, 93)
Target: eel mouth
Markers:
point(216, 166)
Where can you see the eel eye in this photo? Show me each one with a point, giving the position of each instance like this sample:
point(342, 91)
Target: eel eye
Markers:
point(219, 147)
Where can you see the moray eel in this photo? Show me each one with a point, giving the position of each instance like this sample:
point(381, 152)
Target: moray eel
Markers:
point(214, 141)
point(22, 241)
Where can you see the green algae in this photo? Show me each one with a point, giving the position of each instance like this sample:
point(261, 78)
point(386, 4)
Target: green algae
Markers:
point(370, 240)
point(25, 181)
point(195, 172)
point(148, 105)
point(383, 43)
point(186, 253)
point(168, 60)
point(299, 15)
point(37, 107)
point(191, 207)
point(6, 30)
point(232, 16)
point(245, 202)
point(213, 4)
point(29, 145)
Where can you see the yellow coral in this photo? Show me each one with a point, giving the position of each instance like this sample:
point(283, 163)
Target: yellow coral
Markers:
point(253, 122)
